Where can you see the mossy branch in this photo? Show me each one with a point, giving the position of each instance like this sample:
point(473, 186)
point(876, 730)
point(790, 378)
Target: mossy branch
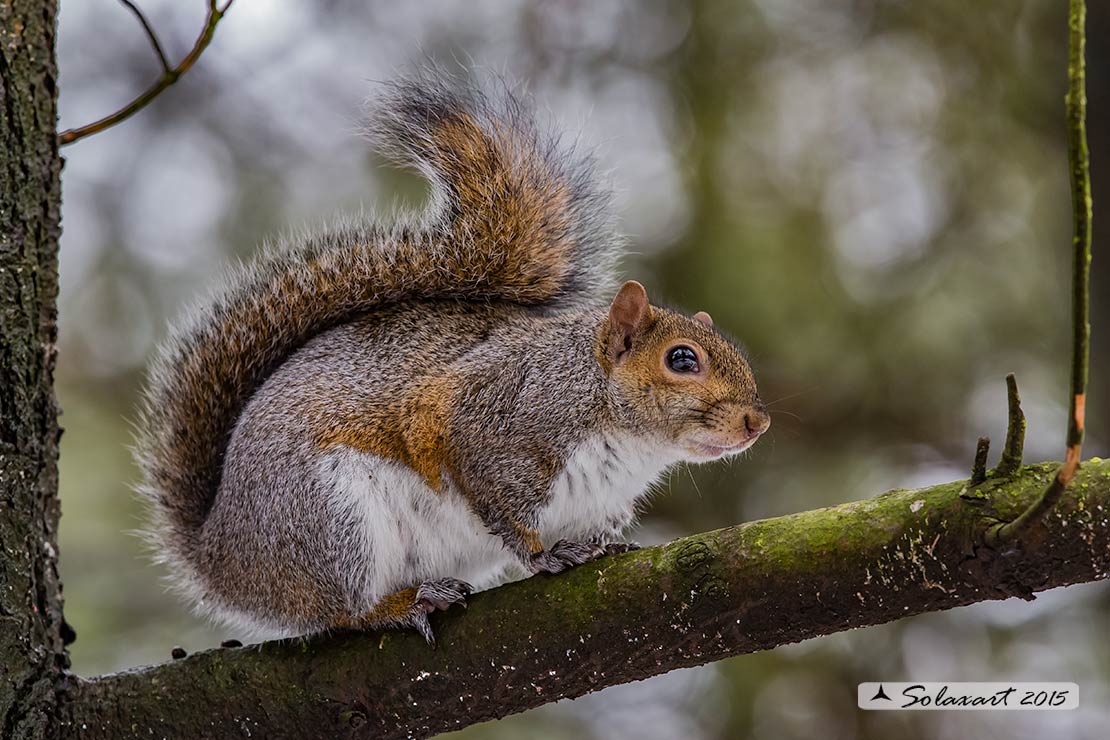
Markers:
point(698, 599)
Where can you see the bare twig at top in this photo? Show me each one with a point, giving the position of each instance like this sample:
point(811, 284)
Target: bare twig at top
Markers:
point(169, 74)
point(150, 34)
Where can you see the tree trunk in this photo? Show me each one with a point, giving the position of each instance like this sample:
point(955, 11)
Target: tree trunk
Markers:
point(32, 656)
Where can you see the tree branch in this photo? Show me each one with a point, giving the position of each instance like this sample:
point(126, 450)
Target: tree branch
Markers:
point(150, 34)
point(624, 618)
point(169, 75)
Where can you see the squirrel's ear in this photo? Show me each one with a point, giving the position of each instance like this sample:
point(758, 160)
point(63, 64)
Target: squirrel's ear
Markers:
point(628, 314)
point(704, 318)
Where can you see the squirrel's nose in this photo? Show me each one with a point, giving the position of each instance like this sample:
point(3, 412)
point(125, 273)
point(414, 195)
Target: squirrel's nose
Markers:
point(757, 422)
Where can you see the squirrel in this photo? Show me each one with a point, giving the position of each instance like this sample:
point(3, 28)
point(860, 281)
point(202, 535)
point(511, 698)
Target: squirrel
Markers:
point(366, 424)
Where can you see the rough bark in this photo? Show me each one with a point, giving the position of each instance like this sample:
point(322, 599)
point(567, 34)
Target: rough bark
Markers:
point(696, 600)
point(32, 656)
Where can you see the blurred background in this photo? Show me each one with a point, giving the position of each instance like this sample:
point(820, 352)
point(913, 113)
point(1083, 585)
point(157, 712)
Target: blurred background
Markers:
point(871, 194)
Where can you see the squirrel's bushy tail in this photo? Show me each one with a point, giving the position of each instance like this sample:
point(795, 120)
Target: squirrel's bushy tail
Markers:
point(514, 218)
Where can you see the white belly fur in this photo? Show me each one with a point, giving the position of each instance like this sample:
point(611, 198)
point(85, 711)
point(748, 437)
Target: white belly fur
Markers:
point(600, 486)
point(412, 533)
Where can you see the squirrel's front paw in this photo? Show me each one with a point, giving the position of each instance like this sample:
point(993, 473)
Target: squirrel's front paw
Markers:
point(565, 554)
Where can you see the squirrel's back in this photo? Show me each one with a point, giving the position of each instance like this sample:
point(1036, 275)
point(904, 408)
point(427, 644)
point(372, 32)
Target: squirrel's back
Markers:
point(515, 218)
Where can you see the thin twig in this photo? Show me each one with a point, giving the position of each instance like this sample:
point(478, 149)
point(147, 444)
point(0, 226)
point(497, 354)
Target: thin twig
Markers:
point(1014, 447)
point(168, 77)
point(979, 468)
point(1076, 103)
point(150, 34)
point(1080, 175)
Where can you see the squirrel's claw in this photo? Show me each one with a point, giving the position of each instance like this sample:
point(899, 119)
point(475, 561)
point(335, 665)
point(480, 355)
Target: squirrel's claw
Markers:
point(418, 620)
point(618, 548)
point(435, 595)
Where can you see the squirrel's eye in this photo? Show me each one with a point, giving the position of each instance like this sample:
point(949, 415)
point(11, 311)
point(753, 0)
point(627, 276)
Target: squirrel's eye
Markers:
point(682, 359)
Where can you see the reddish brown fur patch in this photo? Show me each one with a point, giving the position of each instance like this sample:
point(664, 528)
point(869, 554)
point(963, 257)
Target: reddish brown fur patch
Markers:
point(428, 409)
point(719, 378)
point(530, 538)
point(412, 431)
point(300, 588)
point(392, 609)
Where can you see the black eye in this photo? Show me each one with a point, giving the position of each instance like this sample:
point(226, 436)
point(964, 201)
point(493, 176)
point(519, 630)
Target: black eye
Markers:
point(682, 359)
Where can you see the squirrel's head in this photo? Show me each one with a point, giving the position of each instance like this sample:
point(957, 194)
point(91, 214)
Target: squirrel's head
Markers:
point(679, 376)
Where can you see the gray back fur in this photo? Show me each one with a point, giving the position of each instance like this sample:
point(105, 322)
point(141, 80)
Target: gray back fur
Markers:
point(515, 218)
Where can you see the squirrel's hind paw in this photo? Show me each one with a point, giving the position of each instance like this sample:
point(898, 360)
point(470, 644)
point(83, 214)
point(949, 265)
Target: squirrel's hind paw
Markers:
point(410, 607)
point(442, 593)
point(431, 596)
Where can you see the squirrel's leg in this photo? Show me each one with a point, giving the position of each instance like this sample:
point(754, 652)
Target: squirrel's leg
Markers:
point(508, 506)
point(609, 538)
point(410, 607)
point(523, 540)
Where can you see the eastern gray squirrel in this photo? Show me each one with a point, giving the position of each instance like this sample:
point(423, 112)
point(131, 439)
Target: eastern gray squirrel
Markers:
point(366, 421)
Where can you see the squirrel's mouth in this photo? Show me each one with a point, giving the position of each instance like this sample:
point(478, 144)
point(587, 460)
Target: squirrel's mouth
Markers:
point(713, 451)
